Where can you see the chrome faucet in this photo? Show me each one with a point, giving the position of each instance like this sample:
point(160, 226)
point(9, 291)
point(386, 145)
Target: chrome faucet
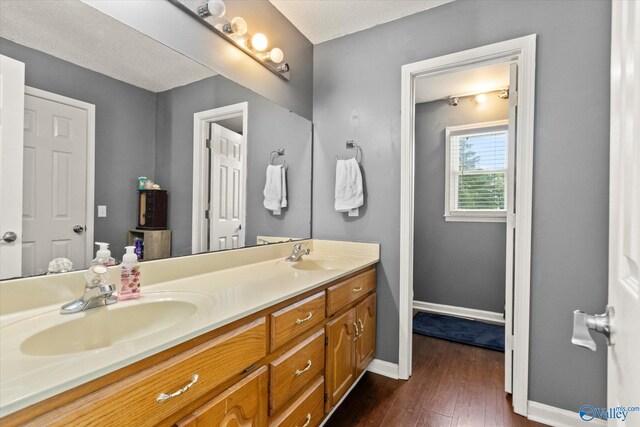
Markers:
point(297, 253)
point(97, 293)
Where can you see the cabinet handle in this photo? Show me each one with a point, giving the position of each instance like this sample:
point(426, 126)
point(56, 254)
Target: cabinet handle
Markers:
point(355, 326)
point(164, 396)
point(304, 319)
point(358, 289)
point(302, 371)
point(361, 327)
point(308, 421)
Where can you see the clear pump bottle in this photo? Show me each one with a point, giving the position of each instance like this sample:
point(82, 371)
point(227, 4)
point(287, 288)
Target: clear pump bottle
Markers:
point(103, 255)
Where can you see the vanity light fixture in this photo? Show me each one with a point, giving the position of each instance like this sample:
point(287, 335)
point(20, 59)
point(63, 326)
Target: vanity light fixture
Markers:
point(236, 32)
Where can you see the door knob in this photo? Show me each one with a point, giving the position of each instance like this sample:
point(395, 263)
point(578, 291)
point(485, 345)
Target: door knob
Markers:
point(78, 229)
point(9, 236)
point(582, 322)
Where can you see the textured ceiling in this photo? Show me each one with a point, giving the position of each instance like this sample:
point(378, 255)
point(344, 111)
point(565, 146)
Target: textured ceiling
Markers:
point(322, 20)
point(78, 33)
point(476, 80)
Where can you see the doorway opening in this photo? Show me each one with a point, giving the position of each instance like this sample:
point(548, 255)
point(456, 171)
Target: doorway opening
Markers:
point(219, 178)
point(473, 156)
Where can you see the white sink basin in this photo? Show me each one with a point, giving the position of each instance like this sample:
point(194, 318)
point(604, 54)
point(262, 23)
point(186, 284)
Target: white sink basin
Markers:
point(52, 333)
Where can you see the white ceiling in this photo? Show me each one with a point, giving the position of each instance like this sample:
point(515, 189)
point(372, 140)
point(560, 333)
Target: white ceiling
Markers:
point(322, 20)
point(473, 81)
point(78, 33)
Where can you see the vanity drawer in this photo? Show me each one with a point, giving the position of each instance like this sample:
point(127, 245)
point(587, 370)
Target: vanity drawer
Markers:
point(292, 371)
point(297, 318)
point(245, 404)
point(133, 401)
point(306, 411)
point(342, 294)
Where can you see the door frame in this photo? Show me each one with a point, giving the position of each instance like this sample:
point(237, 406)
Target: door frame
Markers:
point(521, 50)
point(91, 156)
point(201, 123)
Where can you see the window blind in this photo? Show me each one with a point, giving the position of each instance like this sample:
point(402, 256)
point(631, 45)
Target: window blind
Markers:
point(479, 171)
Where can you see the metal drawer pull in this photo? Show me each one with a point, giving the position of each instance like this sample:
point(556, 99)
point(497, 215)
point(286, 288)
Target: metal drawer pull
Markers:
point(357, 335)
point(163, 396)
point(356, 290)
point(302, 371)
point(304, 319)
point(306, 424)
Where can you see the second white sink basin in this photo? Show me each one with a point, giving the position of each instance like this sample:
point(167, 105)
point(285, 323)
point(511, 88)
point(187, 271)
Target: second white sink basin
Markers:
point(107, 326)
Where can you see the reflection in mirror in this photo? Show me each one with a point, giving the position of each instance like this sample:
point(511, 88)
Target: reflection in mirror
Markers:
point(113, 137)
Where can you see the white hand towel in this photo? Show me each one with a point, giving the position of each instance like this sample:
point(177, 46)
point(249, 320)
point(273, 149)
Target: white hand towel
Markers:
point(348, 191)
point(273, 189)
point(283, 202)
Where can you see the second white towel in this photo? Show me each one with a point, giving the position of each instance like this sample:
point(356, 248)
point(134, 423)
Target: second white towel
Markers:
point(349, 192)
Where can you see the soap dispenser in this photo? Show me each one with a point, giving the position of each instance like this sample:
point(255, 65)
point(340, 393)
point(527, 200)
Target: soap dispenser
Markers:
point(129, 275)
point(103, 256)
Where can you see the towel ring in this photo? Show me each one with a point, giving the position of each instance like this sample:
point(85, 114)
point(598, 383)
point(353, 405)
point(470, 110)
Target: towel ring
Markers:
point(275, 154)
point(351, 145)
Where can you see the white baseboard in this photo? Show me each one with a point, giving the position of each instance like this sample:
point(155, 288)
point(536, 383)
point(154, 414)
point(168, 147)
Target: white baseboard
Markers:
point(557, 417)
point(382, 367)
point(470, 313)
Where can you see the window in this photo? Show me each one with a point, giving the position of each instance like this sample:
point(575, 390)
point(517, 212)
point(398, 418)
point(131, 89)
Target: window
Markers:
point(476, 172)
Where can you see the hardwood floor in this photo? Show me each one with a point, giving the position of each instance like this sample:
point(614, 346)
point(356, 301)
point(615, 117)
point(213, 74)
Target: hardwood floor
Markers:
point(452, 385)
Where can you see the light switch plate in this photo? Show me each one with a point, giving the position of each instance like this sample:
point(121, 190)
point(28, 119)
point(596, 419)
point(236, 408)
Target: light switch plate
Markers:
point(102, 211)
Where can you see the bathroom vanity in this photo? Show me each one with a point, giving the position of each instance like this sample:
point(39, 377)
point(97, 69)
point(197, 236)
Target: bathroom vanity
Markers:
point(263, 343)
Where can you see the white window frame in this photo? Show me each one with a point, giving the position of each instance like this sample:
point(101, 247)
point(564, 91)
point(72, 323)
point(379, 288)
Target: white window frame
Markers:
point(449, 196)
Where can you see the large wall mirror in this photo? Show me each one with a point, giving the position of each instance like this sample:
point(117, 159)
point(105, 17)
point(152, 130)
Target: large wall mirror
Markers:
point(104, 107)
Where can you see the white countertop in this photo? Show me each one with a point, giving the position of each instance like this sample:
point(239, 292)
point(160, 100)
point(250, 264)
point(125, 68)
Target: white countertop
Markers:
point(223, 296)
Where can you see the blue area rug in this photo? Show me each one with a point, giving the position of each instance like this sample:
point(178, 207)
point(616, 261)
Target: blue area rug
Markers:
point(465, 331)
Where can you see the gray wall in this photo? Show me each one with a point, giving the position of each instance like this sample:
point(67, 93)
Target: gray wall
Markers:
point(457, 263)
point(125, 133)
point(269, 127)
point(171, 26)
point(570, 218)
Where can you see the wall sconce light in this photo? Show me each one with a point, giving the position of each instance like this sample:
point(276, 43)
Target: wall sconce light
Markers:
point(236, 32)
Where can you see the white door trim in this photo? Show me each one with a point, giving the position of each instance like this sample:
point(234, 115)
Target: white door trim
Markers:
point(521, 50)
point(91, 155)
point(201, 122)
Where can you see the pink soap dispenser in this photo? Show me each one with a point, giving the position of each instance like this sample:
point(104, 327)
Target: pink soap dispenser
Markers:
point(129, 275)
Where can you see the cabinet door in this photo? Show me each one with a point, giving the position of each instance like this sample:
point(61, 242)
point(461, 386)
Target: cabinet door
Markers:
point(366, 342)
point(341, 357)
point(244, 404)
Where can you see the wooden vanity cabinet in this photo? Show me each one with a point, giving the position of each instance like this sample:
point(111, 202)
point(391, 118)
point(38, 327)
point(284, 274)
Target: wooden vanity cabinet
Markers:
point(351, 339)
point(284, 366)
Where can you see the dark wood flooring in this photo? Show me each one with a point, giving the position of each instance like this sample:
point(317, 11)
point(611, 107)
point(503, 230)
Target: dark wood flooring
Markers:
point(451, 385)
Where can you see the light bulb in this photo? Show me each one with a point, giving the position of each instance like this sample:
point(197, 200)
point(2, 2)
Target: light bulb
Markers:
point(276, 55)
point(481, 98)
point(237, 27)
point(259, 42)
point(215, 8)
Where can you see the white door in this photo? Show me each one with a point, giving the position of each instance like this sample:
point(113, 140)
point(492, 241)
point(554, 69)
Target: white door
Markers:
point(11, 119)
point(511, 227)
point(227, 206)
point(54, 186)
point(623, 378)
